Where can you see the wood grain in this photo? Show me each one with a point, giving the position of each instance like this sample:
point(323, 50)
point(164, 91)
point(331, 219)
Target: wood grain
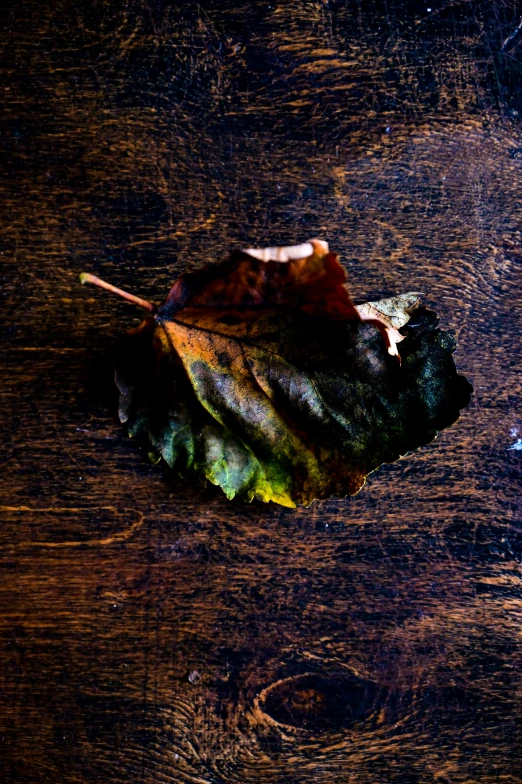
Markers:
point(151, 631)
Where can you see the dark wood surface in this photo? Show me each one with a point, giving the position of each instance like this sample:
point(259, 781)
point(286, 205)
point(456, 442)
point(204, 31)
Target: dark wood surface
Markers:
point(154, 632)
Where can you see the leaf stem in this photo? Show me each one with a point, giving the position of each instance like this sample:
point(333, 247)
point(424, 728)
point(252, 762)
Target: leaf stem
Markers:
point(86, 277)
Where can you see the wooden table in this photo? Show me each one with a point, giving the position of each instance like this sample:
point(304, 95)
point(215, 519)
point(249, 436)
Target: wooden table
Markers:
point(151, 631)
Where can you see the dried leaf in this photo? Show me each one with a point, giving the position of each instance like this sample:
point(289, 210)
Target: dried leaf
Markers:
point(394, 311)
point(261, 375)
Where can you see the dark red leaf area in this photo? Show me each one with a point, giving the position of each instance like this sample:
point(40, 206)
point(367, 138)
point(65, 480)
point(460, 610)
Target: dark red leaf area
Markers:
point(317, 284)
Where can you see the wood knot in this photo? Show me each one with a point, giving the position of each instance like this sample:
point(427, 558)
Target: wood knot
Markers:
point(321, 702)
